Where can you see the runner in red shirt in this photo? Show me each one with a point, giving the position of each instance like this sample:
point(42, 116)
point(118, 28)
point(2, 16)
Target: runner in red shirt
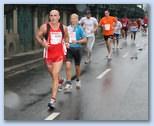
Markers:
point(145, 20)
point(124, 22)
point(139, 23)
point(53, 49)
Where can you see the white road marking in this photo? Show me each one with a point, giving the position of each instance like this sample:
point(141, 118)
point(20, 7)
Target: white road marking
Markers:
point(52, 116)
point(103, 74)
point(124, 56)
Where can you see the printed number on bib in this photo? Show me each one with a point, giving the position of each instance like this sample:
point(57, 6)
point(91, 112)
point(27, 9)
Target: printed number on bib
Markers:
point(107, 27)
point(56, 37)
point(72, 36)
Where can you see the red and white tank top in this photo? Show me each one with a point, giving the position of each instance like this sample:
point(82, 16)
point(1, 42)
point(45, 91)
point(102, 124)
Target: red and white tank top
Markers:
point(55, 36)
point(55, 41)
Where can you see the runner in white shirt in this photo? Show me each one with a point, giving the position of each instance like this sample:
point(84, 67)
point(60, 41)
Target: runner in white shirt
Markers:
point(90, 25)
point(133, 29)
point(117, 32)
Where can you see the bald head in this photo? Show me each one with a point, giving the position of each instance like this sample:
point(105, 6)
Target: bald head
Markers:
point(54, 12)
point(54, 16)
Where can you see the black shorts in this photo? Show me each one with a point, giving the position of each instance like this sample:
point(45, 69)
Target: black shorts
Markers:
point(106, 37)
point(116, 35)
point(74, 53)
point(144, 26)
point(125, 29)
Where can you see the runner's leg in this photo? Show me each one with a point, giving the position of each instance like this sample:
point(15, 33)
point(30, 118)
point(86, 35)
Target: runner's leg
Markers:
point(55, 75)
point(90, 45)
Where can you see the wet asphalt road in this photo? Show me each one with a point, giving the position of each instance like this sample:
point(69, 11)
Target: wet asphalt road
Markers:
point(115, 90)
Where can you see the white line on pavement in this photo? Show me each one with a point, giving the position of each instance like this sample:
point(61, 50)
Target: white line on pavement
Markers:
point(52, 116)
point(124, 56)
point(103, 74)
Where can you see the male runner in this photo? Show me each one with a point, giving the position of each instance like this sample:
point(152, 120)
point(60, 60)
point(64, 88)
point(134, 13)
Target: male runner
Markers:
point(53, 49)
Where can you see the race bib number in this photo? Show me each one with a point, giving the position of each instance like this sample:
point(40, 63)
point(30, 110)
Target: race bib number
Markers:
point(56, 37)
point(72, 36)
point(124, 25)
point(107, 27)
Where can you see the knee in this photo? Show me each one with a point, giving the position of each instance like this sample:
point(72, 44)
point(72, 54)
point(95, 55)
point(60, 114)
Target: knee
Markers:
point(55, 75)
point(68, 66)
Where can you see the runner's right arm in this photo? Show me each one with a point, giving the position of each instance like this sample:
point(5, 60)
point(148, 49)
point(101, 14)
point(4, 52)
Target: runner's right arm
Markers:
point(101, 24)
point(81, 22)
point(40, 36)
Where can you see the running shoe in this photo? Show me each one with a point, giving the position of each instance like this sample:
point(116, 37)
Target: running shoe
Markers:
point(78, 84)
point(68, 87)
point(51, 104)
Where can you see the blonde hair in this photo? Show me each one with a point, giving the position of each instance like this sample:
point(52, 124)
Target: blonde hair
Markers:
point(75, 15)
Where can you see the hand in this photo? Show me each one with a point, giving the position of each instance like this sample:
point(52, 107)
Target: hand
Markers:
point(45, 44)
point(74, 41)
point(67, 45)
point(93, 31)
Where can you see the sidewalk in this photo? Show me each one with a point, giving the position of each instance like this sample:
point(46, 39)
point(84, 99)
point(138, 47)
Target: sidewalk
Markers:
point(22, 62)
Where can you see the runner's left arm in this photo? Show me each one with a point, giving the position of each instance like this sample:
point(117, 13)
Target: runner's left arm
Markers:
point(81, 41)
point(66, 36)
point(120, 24)
point(95, 25)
